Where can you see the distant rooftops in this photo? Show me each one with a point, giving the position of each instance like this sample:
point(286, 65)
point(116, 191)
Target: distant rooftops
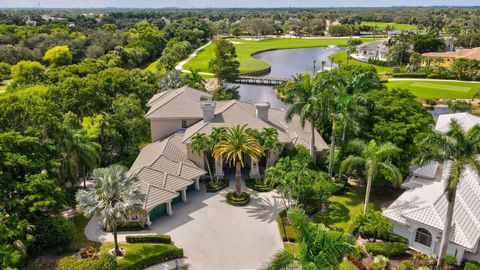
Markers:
point(473, 53)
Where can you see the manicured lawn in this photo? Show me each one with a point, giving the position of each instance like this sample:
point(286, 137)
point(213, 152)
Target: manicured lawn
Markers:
point(342, 56)
point(436, 89)
point(342, 209)
point(383, 25)
point(139, 252)
point(245, 48)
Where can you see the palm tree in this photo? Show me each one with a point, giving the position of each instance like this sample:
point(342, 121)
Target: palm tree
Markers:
point(459, 147)
point(301, 95)
point(234, 144)
point(373, 157)
point(319, 248)
point(79, 153)
point(203, 143)
point(323, 62)
point(269, 140)
point(115, 197)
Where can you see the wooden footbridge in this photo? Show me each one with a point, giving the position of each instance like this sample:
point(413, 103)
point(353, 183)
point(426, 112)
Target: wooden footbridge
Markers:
point(260, 80)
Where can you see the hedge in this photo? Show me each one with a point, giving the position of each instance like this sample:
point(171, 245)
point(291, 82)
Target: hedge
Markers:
point(104, 262)
point(170, 252)
point(388, 249)
point(409, 75)
point(128, 227)
point(214, 186)
point(150, 238)
point(233, 200)
point(286, 231)
point(260, 187)
point(54, 232)
point(472, 265)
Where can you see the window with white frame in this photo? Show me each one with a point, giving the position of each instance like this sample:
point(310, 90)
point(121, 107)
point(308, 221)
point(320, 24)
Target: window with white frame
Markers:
point(184, 123)
point(423, 237)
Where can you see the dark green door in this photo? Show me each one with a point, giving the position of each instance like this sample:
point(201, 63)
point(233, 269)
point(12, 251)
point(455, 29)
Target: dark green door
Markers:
point(191, 187)
point(158, 211)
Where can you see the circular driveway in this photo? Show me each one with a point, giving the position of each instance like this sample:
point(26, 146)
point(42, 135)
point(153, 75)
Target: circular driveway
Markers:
point(216, 235)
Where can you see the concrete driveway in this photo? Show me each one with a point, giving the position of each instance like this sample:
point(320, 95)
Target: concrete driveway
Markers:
point(214, 234)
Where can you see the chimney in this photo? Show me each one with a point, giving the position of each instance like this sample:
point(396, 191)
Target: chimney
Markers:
point(208, 109)
point(262, 110)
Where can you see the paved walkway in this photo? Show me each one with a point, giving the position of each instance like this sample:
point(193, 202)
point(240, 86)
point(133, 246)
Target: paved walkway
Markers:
point(180, 68)
point(214, 234)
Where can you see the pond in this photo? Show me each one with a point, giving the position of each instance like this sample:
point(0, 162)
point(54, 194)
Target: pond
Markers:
point(286, 63)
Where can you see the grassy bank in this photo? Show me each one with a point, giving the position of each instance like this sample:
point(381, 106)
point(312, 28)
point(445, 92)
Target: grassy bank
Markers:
point(383, 25)
point(342, 56)
point(431, 89)
point(245, 48)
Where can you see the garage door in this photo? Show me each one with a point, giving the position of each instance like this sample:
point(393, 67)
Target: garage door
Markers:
point(158, 211)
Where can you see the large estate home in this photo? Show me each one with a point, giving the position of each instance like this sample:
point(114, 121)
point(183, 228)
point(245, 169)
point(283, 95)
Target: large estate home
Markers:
point(374, 50)
point(168, 169)
point(419, 213)
point(448, 58)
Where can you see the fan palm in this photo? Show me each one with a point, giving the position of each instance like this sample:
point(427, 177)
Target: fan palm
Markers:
point(301, 95)
point(269, 140)
point(234, 144)
point(372, 158)
point(202, 143)
point(115, 197)
point(79, 152)
point(459, 147)
point(319, 248)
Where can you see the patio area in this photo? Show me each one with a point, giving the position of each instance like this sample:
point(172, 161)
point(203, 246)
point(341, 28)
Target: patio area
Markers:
point(214, 234)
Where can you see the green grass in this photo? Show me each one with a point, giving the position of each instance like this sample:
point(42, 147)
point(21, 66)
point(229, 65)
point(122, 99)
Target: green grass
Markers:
point(342, 56)
point(245, 48)
point(342, 209)
point(137, 252)
point(430, 89)
point(383, 25)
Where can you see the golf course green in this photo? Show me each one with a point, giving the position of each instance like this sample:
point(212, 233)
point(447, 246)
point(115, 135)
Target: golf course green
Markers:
point(383, 25)
point(434, 89)
point(245, 49)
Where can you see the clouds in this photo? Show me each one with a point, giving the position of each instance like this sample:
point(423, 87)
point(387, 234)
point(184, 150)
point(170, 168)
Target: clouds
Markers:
point(226, 3)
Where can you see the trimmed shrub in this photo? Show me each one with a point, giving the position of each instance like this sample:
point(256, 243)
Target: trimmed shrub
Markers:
point(258, 185)
point(168, 253)
point(151, 238)
point(472, 265)
point(409, 75)
point(451, 260)
point(214, 186)
point(128, 227)
point(380, 262)
point(388, 249)
point(54, 232)
point(372, 225)
point(286, 231)
point(396, 238)
point(233, 200)
point(104, 262)
point(383, 80)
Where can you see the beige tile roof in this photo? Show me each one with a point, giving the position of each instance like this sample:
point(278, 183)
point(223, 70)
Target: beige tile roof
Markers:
point(473, 53)
point(177, 103)
point(235, 112)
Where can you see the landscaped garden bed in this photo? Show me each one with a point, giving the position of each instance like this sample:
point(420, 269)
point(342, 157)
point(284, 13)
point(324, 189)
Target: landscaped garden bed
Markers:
point(258, 185)
point(149, 238)
point(232, 198)
point(286, 230)
point(216, 185)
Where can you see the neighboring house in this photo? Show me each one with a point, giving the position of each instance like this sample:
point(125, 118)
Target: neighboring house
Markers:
point(419, 213)
point(375, 50)
point(167, 168)
point(446, 59)
point(29, 21)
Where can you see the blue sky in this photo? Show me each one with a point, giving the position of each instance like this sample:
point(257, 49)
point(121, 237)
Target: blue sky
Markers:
point(227, 3)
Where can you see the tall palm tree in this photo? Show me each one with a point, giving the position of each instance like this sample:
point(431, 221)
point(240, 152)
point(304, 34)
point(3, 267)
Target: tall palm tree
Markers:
point(79, 153)
point(462, 149)
point(115, 197)
point(269, 140)
point(319, 248)
point(372, 158)
point(202, 143)
point(301, 95)
point(234, 144)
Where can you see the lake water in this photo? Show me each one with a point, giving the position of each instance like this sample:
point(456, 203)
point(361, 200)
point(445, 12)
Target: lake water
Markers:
point(285, 64)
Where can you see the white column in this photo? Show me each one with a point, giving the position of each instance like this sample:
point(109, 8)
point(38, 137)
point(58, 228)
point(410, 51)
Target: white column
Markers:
point(184, 195)
point(219, 167)
point(169, 208)
point(197, 184)
point(148, 220)
point(254, 169)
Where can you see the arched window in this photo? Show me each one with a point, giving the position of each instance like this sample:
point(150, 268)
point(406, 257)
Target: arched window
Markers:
point(423, 237)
